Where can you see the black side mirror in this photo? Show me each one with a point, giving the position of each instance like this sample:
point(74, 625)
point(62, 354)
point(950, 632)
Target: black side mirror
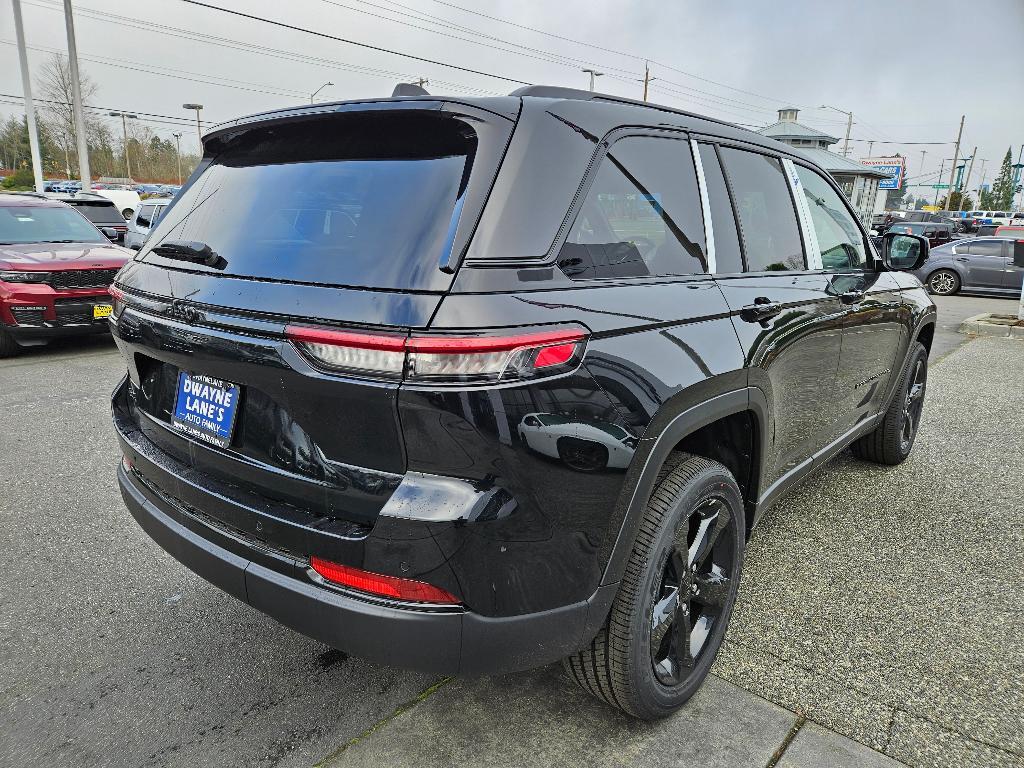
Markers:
point(1018, 253)
point(110, 234)
point(903, 252)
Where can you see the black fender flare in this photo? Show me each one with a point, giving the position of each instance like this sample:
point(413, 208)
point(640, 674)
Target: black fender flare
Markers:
point(682, 424)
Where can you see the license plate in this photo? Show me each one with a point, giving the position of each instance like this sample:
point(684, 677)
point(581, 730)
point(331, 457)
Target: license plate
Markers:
point(101, 310)
point(206, 408)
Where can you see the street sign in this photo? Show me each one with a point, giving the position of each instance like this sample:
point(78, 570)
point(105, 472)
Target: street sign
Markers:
point(940, 186)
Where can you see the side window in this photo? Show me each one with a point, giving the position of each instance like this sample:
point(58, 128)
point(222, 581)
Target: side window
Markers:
point(839, 239)
point(728, 256)
point(158, 211)
point(144, 216)
point(642, 215)
point(764, 207)
point(986, 248)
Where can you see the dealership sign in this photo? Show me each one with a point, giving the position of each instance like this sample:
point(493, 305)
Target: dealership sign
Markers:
point(893, 167)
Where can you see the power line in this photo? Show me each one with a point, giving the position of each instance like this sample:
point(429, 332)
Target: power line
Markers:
point(294, 28)
point(226, 42)
point(173, 118)
point(610, 50)
point(150, 69)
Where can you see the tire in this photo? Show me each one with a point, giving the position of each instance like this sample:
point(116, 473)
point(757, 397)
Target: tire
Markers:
point(943, 282)
point(632, 663)
point(8, 346)
point(893, 439)
point(582, 455)
point(128, 213)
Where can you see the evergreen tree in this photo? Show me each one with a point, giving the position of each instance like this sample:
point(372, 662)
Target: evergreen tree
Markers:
point(1002, 187)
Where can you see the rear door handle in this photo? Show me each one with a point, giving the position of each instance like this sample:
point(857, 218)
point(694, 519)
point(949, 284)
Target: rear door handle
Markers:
point(762, 309)
point(960, 258)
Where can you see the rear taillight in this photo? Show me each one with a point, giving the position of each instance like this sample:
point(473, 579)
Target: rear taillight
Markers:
point(444, 359)
point(380, 584)
point(116, 299)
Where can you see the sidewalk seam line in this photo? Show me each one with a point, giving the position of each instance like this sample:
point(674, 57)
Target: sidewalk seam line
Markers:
point(781, 750)
point(401, 709)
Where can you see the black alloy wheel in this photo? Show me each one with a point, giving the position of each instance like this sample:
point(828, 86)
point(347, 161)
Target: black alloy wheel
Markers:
point(680, 583)
point(913, 404)
point(695, 585)
point(893, 439)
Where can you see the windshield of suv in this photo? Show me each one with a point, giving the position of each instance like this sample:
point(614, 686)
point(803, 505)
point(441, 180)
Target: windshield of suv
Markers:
point(366, 201)
point(27, 224)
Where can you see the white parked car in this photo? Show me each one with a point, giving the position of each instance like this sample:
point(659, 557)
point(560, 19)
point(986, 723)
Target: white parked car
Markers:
point(144, 219)
point(586, 446)
point(126, 200)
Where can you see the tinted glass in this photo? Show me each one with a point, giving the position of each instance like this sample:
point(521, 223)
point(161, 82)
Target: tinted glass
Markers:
point(99, 213)
point(771, 236)
point(986, 248)
point(839, 239)
point(728, 256)
point(642, 215)
point(23, 224)
point(367, 201)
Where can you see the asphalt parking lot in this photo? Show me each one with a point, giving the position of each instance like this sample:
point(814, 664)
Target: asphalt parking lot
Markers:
point(880, 611)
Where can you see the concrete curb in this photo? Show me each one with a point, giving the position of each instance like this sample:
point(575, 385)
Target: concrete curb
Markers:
point(987, 324)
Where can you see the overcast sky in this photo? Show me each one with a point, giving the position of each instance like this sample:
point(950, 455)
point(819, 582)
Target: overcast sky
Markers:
point(907, 69)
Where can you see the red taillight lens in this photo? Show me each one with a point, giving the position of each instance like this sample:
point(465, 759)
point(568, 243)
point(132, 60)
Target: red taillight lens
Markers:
point(445, 359)
point(374, 354)
point(116, 299)
point(379, 584)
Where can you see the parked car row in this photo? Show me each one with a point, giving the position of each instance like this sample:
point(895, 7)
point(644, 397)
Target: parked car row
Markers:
point(984, 265)
point(56, 267)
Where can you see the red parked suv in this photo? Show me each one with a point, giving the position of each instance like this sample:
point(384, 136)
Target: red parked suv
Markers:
point(55, 271)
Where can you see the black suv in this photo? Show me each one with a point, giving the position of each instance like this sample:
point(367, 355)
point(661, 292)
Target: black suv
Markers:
point(473, 385)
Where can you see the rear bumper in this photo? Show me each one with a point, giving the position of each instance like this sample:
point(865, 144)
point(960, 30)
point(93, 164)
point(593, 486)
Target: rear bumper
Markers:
point(440, 641)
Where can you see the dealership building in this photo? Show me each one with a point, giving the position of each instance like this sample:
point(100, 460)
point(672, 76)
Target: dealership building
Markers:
point(858, 181)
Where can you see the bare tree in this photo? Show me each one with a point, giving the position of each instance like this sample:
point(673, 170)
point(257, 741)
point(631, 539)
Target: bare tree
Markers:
point(57, 113)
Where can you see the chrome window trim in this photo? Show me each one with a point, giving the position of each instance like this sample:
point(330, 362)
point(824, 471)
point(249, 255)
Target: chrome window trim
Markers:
point(804, 215)
point(705, 205)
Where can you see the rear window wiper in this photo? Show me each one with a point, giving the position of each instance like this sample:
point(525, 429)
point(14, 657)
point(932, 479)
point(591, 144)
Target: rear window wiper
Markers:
point(195, 251)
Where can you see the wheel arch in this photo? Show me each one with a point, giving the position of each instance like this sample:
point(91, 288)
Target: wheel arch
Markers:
point(740, 417)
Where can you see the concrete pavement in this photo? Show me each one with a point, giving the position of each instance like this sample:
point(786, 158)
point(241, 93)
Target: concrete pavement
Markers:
point(879, 611)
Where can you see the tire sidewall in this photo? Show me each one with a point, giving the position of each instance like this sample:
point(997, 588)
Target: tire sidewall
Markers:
point(919, 353)
point(653, 696)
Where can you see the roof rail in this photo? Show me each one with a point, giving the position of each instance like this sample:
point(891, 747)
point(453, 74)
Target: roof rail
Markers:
point(557, 92)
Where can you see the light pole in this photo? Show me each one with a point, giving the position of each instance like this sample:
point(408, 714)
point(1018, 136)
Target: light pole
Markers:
point(177, 141)
point(849, 125)
point(312, 96)
point(592, 74)
point(125, 117)
point(26, 89)
point(199, 127)
point(76, 101)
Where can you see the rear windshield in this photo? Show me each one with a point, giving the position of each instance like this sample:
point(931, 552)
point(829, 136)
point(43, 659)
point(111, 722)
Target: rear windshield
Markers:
point(365, 200)
point(99, 213)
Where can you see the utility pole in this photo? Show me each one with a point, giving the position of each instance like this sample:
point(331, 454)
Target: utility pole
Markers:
point(941, 169)
point(956, 157)
point(967, 182)
point(871, 148)
point(422, 82)
point(26, 89)
point(647, 78)
point(125, 116)
point(76, 98)
point(177, 141)
point(849, 126)
point(1020, 181)
point(593, 74)
point(199, 127)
